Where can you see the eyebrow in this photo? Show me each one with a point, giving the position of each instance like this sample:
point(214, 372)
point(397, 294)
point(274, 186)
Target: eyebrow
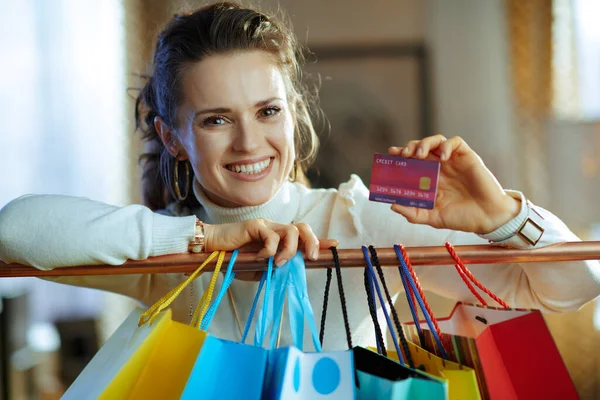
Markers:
point(223, 110)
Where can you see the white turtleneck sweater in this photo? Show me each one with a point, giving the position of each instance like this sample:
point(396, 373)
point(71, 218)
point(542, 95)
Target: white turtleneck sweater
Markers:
point(60, 231)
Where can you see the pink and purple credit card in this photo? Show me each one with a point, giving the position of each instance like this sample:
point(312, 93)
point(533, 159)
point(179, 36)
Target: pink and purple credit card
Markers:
point(405, 181)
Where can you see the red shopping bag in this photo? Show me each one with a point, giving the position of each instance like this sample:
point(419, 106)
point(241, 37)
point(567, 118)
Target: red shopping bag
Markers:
point(511, 350)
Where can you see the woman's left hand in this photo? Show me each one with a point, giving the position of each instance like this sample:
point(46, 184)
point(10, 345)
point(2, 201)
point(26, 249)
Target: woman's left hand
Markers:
point(469, 198)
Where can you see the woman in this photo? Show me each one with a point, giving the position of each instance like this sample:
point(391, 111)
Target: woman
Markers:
point(228, 124)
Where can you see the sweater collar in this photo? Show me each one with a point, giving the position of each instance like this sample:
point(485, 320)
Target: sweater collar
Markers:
point(282, 207)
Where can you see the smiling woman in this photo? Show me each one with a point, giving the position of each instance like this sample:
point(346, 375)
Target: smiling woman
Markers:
point(241, 142)
point(228, 123)
point(246, 87)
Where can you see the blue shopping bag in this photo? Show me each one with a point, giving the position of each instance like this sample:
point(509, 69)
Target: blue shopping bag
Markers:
point(227, 370)
point(222, 361)
point(294, 374)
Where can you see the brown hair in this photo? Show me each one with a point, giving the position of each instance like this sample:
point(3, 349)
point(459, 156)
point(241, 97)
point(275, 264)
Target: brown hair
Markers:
point(215, 29)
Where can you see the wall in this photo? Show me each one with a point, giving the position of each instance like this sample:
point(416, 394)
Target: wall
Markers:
point(350, 21)
point(467, 40)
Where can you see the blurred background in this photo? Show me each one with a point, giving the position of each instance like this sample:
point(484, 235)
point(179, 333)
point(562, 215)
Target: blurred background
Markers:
point(519, 80)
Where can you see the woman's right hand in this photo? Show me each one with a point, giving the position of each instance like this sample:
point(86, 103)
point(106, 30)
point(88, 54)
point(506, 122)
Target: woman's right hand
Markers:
point(267, 237)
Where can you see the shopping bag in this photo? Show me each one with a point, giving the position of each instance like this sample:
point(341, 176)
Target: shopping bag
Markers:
point(511, 350)
point(149, 354)
point(461, 379)
point(227, 370)
point(379, 376)
point(292, 373)
point(221, 361)
point(115, 370)
point(297, 375)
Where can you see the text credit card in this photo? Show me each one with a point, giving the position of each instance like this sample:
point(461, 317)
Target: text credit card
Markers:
point(405, 181)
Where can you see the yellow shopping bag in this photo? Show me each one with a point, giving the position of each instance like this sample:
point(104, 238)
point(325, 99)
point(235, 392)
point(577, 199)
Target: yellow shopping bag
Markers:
point(462, 381)
point(166, 371)
point(150, 355)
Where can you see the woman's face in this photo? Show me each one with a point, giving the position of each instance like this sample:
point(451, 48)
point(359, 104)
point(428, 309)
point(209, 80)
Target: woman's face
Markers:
point(236, 127)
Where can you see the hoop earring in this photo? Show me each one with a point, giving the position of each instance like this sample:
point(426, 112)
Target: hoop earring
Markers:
point(293, 173)
point(187, 180)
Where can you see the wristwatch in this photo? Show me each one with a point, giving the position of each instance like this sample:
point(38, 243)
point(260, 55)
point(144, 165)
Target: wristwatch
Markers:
point(531, 231)
point(523, 231)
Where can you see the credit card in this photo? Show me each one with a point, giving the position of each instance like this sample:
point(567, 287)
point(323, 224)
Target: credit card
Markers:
point(406, 181)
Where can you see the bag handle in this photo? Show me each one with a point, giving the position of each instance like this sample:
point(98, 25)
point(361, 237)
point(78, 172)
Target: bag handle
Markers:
point(253, 308)
point(325, 302)
point(264, 319)
point(397, 323)
point(299, 305)
point(467, 276)
point(202, 306)
point(412, 280)
point(373, 279)
point(291, 279)
point(151, 313)
point(227, 280)
point(410, 298)
point(373, 312)
point(273, 314)
point(338, 273)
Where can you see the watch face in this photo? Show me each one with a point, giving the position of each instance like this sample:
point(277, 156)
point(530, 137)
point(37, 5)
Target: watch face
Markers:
point(369, 104)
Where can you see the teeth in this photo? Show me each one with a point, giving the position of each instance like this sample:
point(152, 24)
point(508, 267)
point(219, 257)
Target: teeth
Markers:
point(250, 168)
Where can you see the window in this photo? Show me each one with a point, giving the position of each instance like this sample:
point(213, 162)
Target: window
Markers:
point(63, 123)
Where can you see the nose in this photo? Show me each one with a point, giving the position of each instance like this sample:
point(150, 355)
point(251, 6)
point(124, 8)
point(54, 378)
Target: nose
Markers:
point(248, 136)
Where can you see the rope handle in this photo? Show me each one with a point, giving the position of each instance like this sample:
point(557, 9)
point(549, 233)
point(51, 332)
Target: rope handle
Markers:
point(421, 294)
point(396, 320)
point(204, 302)
point(373, 312)
point(225, 287)
point(466, 274)
point(413, 281)
point(151, 313)
point(338, 273)
point(325, 302)
point(263, 279)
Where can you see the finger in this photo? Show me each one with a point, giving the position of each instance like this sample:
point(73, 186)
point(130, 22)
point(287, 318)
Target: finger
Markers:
point(410, 148)
point(259, 231)
point(395, 151)
point(290, 235)
point(413, 215)
point(453, 145)
point(326, 244)
point(429, 145)
point(309, 240)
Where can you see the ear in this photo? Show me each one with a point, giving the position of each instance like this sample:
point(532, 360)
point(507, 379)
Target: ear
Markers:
point(168, 139)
